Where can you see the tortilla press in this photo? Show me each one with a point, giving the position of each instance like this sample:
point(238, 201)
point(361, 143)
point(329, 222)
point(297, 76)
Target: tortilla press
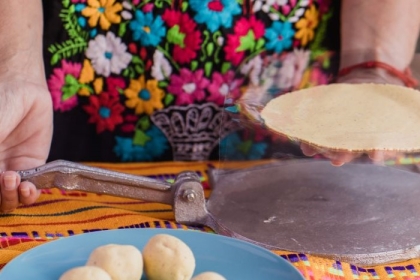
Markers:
point(359, 213)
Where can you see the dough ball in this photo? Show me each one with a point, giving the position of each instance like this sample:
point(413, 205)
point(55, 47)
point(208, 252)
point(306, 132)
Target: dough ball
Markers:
point(168, 258)
point(85, 273)
point(209, 275)
point(122, 262)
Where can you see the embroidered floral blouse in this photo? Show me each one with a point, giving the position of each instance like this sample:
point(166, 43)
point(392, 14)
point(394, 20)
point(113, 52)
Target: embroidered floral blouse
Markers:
point(149, 80)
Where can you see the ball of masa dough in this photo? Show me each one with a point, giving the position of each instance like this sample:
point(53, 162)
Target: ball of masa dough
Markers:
point(209, 275)
point(122, 262)
point(85, 273)
point(168, 258)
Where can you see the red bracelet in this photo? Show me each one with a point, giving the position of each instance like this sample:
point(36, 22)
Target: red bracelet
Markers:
point(405, 76)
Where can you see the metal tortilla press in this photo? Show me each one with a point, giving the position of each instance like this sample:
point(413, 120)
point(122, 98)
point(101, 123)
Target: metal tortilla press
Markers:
point(360, 213)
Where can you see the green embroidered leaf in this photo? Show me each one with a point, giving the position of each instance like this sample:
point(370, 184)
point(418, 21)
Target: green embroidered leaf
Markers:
point(321, 32)
point(159, 3)
point(55, 59)
point(260, 43)
point(241, 2)
point(168, 99)
point(244, 147)
point(132, 75)
point(326, 63)
point(136, 59)
point(70, 88)
point(225, 67)
point(66, 49)
point(194, 65)
point(120, 91)
point(122, 29)
point(175, 36)
point(71, 24)
point(184, 6)
point(247, 42)
point(126, 72)
point(144, 123)
point(162, 84)
point(210, 49)
point(140, 138)
point(66, 3)
point(139, 69)
point(207, 68)
point(88, 87)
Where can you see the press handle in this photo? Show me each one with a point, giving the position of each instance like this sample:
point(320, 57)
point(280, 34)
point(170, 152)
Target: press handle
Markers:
point(72, 176)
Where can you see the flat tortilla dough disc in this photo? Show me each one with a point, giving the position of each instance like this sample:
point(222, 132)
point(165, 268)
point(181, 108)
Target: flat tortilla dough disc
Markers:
point(350, 117)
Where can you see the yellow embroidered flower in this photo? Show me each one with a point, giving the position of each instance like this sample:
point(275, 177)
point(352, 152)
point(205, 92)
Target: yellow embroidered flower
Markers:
point(144, 97)
point(104, 11)
point(306, 26)
point(98, 84)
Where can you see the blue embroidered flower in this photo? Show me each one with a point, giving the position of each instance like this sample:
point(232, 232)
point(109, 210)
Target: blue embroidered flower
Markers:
point(153, 147)
point(233, 148)
point(146, 29)
point(215, 13)
point(279, 36)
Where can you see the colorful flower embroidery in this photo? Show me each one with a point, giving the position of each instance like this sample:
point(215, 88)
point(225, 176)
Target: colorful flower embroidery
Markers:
point(279, 36)
point(144, 97)
point(141, 56)
point(154, 146)
point(188, 86)
point(222, 86)
point(215, 13)
point(63, 86)
point(146, 29)
point(307, 25)
point(247, 32)
point(104, 110)
point(108, 54)
point(182, 33)
point(103, 11)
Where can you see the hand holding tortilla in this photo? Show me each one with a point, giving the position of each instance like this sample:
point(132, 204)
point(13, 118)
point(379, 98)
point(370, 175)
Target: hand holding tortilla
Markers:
point(349, 119)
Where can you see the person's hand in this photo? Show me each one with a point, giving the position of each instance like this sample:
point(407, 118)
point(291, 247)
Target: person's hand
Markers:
point(339, 158)
point(25, 138)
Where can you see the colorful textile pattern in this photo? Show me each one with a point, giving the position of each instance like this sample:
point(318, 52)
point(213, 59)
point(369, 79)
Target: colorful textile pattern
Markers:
point(150, 78)
point(60, 214)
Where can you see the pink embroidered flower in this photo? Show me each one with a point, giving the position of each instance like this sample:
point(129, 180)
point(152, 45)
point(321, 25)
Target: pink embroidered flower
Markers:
point(324, 6)
point(57, 82)
point(78, 1)
point(104, 110)
point(188, 86)
point(223, 85)
point(114, 84)
point(247, 32)
point(318, 77)
point(182, 34)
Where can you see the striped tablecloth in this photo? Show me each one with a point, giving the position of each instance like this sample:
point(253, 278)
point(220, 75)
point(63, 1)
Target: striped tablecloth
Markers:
point(59, 214)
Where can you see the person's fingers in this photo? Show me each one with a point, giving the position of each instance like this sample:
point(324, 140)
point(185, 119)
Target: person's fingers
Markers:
point(381, 156)
point(10, 180)
point(308, 150)
point(340, 159)
point(28, 193)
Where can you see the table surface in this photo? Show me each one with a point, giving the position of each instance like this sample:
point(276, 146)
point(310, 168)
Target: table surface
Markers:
point(59, 214)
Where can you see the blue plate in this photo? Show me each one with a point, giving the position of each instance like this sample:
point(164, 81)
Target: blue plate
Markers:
point(230, 257)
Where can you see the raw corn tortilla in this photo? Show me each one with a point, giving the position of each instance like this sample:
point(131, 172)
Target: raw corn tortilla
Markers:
point(350, 117)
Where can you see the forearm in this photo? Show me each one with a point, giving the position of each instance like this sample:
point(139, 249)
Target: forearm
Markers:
point(382, 30)
point(21, 27)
